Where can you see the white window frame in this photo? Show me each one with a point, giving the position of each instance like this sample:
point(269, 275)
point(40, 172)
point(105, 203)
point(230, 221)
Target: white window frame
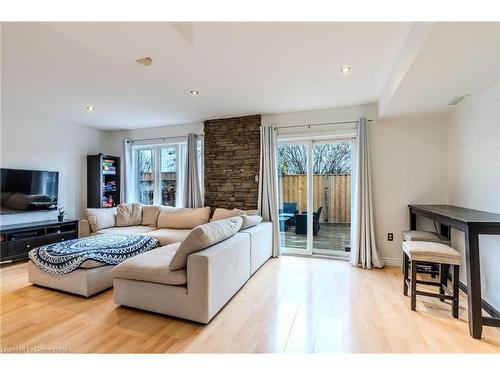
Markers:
point(180, 162)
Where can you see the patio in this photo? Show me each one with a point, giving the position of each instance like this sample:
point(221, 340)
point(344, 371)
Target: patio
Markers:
point(331, 237)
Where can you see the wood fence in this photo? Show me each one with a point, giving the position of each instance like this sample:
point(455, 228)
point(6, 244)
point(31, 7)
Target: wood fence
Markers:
point(332, 192)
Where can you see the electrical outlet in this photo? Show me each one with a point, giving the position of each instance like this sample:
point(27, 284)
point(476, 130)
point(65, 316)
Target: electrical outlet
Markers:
point(390, 236)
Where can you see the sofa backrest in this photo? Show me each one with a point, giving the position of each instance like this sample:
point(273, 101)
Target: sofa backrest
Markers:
point(182, 218)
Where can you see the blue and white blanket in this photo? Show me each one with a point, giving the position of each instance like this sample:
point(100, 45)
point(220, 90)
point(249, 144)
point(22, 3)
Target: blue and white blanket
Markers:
point(63, 257)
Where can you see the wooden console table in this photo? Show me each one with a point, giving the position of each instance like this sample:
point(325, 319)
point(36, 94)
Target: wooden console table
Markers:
point(472, 223)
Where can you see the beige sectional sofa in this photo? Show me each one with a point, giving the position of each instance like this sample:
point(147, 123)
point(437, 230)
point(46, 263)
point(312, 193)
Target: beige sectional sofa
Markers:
point(208, 279)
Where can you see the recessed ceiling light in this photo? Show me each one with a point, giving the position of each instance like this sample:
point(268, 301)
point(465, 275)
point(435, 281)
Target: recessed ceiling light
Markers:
point(146, 61)
point(194, 92)
point(90, 108)
point(345, 69)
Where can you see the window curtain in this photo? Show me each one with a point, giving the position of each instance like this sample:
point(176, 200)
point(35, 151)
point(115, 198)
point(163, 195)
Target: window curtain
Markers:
point(363, 248)
point(128, 181)
point(192, 190)
point(268, 183)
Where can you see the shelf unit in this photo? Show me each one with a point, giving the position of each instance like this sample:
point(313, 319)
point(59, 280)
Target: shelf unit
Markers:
point(103, 181)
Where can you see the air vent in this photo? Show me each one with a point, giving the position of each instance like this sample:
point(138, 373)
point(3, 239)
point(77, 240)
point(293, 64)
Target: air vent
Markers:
point(457, 99)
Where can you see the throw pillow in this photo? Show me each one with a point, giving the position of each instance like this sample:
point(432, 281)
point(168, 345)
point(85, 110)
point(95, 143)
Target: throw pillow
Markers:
point(250, 221)
point(128, 214)
point(101, 218)
point(150, 214)
point(223, 213)
point(202, 237)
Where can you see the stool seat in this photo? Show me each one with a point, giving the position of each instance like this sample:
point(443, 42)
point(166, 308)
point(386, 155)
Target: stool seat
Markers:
point(420, 235)
point(433, 252)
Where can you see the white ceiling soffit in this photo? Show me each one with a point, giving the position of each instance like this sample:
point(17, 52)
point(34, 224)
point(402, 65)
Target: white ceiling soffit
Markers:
point(438, 62)
point(239, 68)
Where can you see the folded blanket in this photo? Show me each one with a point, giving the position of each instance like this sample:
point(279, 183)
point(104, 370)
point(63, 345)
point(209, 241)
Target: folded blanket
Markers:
point(63, 257)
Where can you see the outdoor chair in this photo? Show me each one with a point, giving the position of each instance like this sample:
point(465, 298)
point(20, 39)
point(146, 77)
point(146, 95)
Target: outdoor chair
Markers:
point(301, 222)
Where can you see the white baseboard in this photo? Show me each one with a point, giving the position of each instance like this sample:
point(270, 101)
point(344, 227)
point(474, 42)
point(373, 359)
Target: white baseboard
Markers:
point(393, 261)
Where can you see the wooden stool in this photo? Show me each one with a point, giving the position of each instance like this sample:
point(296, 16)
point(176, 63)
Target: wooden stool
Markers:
point(426, 267)
point(431, 252)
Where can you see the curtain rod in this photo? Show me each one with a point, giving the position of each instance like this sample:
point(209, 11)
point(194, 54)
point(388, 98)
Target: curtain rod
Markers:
point(162, 138)
point(320, 124)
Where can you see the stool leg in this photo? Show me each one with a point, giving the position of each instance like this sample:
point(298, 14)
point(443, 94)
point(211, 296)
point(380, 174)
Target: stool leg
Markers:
point(443, 278)
point(405, 273)
point(456, 292)
point(413, 285)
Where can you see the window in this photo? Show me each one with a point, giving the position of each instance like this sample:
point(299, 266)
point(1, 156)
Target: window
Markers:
point(145, 163)
point(160, 172)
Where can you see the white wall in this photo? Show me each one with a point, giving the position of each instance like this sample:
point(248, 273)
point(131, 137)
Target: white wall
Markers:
point(409, 156)
point(474, 176)
point(31, 141)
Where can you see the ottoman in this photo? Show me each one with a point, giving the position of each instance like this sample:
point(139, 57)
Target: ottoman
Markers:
point(83, 281)
point(83, 266)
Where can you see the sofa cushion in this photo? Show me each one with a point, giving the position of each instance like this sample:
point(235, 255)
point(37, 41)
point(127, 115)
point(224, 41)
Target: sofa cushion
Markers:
point(100, 218)
point(183, 218)
point(152, 266)
point(223, 213)
point(250, 221)
point(150, 214)
point(204, 236)
point(134, 229)
point(167, 236)
point(128, 214)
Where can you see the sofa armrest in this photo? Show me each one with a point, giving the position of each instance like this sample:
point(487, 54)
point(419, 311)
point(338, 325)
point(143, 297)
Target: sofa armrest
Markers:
point(84, 228)
point(218, 272)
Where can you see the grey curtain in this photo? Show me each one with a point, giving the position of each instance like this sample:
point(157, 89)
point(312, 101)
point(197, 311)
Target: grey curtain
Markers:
point(268, 183)
point(128, 182)
point(363, 248)
point(192, 188)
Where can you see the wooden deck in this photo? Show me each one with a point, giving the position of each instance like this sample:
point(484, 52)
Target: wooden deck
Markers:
point(331, 237)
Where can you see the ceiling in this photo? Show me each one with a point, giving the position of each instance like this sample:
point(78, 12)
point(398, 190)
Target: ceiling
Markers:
point(452, 59)
point(57, 69)
point(239, 68)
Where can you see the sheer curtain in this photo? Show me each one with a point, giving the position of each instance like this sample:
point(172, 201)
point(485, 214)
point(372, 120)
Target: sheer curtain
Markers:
point(363, 248)
point(128, 181)
point(268, 183)
point(192, 189)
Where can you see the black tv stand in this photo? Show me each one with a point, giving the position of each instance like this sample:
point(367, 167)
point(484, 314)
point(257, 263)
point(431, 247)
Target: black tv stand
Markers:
point(17, 240)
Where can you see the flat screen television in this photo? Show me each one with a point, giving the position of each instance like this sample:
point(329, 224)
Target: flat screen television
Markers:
point(28, 190)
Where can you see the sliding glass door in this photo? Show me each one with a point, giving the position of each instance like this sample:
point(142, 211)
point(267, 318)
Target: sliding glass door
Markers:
point(293, 181)
point(314, 179)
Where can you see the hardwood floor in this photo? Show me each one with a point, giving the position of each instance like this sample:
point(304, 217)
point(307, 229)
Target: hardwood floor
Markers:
point(292, 304)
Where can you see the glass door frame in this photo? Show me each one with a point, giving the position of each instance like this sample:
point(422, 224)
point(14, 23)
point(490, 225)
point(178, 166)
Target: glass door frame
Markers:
point(309, 142)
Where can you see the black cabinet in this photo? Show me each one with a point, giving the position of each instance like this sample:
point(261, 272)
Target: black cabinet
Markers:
point(103, 181)
point(17, 240)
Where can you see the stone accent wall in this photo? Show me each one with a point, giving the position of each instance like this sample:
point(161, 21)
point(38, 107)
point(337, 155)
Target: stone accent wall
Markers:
point(232, 160)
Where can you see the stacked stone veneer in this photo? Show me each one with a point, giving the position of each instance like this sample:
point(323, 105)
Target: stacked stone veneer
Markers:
point(232, 162)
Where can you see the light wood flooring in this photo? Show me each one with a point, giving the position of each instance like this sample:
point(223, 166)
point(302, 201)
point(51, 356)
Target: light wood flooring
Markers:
point(292, 304)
